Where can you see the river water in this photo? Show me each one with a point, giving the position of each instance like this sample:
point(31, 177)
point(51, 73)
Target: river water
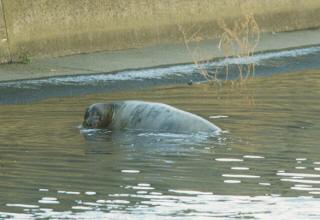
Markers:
point(264, 165)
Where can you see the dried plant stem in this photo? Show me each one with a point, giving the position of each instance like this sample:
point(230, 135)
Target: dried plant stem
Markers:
point(238, 40)
point(195, 54)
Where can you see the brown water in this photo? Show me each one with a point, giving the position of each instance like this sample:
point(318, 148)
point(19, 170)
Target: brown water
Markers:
point(265, 165)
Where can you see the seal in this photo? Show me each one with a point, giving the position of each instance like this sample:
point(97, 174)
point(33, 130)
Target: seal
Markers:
point(146, 116)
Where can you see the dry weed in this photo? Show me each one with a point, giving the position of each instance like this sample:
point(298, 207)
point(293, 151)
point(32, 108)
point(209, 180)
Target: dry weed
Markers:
point(238, 40)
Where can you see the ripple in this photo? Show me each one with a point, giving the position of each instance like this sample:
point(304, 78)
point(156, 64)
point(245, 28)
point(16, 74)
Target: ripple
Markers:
point(49, 200)
point(240, 168)
point(90, 204)
point(305, 188)
point(144, 184)
point(299, 175)
point(253, 157)
point(68, 192)
point(142, 187)
point(218, 116)
point(130, 171)
point(190, 192)
point(43, 190)
point(228, 160)
point(315, 193)
point(301, 181)
point(232, 181)
point(117, 201)
point(22, 205)
point(301, 159)
point(119, 195)
point(82, 208)
point(240, 176)
point(7, 215)
point(204, 206)
point(300, 168)
point(265, 184)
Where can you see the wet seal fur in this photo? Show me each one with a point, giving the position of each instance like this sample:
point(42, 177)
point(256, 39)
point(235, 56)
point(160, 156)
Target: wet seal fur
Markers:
point(146, 116)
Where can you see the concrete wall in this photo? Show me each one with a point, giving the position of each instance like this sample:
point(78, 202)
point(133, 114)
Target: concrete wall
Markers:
point(39, 28)
point(4, 47)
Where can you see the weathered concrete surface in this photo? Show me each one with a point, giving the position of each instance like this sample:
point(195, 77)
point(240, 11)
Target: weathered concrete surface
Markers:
point(169, 54)
point(46, 28)
point(4, 47)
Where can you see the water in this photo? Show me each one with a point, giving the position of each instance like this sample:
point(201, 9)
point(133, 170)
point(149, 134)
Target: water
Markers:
point(265, 165)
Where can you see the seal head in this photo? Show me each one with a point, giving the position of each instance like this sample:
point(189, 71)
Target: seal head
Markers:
point(98, 116)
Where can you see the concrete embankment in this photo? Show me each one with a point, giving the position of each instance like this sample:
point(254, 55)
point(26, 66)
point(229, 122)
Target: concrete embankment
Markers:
point(43, 28)
point(148, 57)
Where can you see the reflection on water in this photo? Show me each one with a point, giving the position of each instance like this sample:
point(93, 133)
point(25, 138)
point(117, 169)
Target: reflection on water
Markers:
point(265, 164)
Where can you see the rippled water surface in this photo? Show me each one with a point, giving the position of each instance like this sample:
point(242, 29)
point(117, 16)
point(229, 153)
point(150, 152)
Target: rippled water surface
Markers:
point(265, 165)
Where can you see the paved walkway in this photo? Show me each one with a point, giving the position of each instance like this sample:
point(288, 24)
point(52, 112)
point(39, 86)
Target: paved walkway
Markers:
point(103, 62)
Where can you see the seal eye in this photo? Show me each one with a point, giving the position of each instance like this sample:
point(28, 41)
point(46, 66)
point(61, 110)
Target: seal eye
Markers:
point(97, 115)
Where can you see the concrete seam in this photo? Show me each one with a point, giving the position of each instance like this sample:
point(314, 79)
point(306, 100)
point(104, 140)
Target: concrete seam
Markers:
point(6, 28)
